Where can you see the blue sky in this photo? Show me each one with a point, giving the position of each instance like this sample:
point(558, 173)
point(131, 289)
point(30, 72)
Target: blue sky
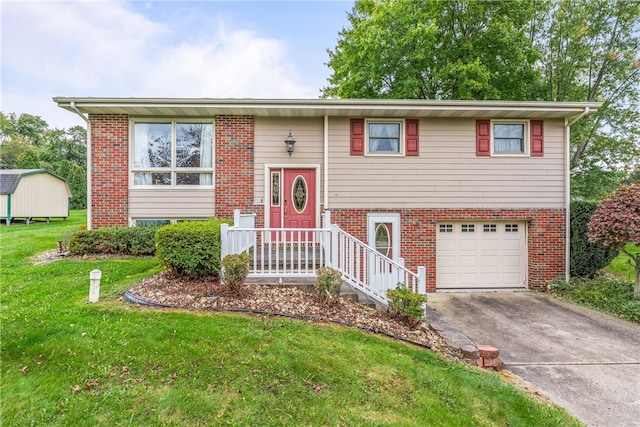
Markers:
point(208, 49)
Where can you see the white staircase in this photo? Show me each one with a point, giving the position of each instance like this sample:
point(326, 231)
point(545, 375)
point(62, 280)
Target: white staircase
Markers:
point(288, 253)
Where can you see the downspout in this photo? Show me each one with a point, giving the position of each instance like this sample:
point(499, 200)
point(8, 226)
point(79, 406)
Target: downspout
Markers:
point(326, 163)
point(89, 193)
point(567, 192)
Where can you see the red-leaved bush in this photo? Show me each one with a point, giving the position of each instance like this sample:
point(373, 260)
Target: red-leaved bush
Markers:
point(616, 222)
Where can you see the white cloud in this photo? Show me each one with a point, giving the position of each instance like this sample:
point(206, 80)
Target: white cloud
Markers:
point(108, 49)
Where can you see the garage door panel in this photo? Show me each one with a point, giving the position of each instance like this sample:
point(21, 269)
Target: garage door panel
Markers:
point(467, 261)
point(467, 245)
point(492, 244)
point(512, 261)
point(447, 261)
point(481, 255)
point(489, 261)
point(467, 279)
point(512, 245)
point(448, 245)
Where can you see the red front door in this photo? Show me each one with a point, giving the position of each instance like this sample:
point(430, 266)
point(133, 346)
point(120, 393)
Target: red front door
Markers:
point(293, 198)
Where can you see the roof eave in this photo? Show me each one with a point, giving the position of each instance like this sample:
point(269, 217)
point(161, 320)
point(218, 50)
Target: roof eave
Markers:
point(207, 107)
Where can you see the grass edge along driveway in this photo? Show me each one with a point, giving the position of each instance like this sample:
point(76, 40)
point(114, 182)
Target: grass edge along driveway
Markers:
point(68, 362)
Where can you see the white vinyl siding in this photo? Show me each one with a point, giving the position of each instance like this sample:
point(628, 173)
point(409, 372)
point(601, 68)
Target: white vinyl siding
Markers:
point(447, 173)
point(171, 203)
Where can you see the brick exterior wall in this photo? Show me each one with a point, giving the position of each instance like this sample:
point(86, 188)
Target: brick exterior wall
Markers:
point(234, 140)
point(109, 169)
point(546, 236)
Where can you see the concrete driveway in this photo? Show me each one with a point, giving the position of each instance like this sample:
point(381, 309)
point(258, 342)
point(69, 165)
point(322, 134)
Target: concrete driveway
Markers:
point(585, 361)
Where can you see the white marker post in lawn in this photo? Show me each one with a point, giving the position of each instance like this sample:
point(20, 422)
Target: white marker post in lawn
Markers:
point(94, 288)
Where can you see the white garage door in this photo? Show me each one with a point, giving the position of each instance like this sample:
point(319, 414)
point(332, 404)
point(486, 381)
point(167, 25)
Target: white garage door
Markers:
point(481, 255)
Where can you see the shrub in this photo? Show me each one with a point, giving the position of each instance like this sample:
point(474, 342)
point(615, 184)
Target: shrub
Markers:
point(136, 241)
point(586, 258)
point(406, 305)
point(235, 269)
point(191, 248)
point(328, 285)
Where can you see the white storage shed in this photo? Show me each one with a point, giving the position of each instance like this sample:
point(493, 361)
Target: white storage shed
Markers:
point(33, 193)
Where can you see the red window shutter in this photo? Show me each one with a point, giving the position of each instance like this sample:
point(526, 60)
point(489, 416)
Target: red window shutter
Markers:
point(411, 137)
point(483, 137)
point(536, 138)
point(357, 137)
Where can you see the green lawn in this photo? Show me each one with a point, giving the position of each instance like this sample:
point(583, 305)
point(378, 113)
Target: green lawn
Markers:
point(68, 362)
point(620, 265)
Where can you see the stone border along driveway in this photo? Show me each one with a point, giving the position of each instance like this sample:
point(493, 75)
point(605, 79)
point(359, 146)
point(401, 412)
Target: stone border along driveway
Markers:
point(585, 361)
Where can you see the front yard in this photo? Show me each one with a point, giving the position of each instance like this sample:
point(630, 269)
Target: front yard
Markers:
point(69, 362)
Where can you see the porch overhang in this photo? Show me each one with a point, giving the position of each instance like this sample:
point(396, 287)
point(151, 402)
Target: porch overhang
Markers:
point(211, 107)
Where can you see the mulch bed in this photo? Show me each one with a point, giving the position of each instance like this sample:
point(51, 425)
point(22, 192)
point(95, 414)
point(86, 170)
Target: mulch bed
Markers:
point(167, 290)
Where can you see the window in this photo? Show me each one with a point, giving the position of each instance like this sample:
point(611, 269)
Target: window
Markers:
point(511, 228)
point(147, 222)
point(383, 238)
point(446, 228)
point(468, 228)
point(164, 221)
point(383, 138)
point(172, 153)
point(490, 228)
point(275, 188)
point(509, 138)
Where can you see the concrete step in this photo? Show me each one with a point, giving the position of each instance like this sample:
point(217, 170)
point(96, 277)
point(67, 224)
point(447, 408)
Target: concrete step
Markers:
point(307, 284)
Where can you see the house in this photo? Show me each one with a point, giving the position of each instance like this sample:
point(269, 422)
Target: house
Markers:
point(33, 193)
point(477, 192)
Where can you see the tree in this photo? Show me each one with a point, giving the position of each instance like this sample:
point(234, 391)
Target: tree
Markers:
point(10, 149)
point(616, 223)
point(29, 159)
point(590, 53)
point(31, 128)
point(69, 144)
point(435, 50)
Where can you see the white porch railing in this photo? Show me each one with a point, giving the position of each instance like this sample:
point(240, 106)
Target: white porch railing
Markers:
point(285, 252)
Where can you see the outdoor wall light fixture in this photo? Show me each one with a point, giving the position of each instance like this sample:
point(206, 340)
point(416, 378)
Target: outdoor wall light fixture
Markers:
point(290, 143)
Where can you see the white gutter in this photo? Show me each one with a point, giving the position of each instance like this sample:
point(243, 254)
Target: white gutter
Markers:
point(89, 211)
point(567, 191)
point(326, 163)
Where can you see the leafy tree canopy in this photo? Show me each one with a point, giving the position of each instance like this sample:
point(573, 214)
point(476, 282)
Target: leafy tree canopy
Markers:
point(435, 50)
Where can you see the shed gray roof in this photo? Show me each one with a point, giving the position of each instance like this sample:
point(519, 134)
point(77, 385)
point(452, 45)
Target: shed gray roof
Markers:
point(9, 178)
